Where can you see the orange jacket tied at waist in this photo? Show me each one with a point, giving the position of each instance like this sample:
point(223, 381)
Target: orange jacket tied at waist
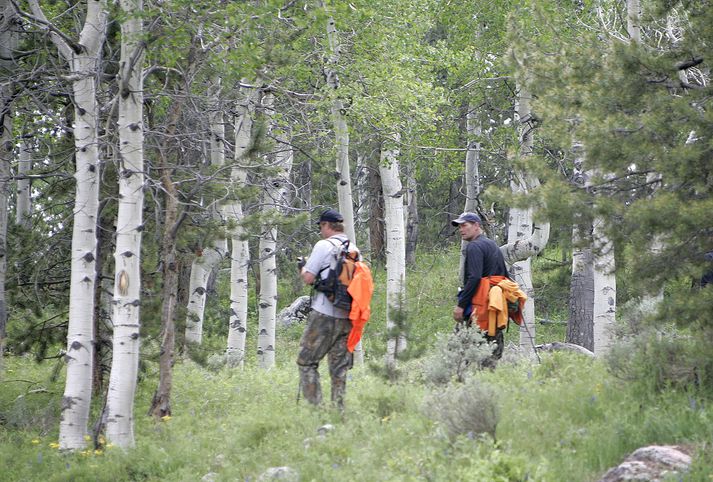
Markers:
point(361, 288)
point(490, 303)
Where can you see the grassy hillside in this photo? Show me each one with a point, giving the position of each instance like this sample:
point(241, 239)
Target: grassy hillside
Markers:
point(566, 418)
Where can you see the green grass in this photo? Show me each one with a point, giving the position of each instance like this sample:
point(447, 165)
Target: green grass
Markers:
point(564, 419)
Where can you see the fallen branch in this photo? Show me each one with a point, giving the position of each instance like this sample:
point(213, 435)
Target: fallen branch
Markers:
point(558, 346)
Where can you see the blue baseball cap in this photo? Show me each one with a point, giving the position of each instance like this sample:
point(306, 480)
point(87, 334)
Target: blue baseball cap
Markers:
point(466, 218)
point(330, 216)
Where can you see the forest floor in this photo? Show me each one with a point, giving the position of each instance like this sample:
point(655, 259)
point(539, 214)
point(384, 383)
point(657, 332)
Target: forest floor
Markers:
point(564, 418)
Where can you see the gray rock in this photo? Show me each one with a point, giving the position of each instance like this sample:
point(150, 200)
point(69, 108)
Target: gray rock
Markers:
point(287, 474)
point(650, 464)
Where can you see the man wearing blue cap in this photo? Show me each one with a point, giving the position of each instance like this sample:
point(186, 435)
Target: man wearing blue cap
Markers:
point(482, 259)
point(328, 326)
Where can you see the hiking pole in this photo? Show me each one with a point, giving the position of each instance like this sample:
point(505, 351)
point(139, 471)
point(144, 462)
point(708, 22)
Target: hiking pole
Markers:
point(532, 341)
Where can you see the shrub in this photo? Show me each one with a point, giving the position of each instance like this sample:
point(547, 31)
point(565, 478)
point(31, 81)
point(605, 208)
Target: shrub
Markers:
point(456, 355)
point(469, 409)
point(661, 359)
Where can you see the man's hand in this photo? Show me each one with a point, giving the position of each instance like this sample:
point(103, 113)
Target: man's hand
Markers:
point(458, 313)
point(308, 277)
point(301, 261)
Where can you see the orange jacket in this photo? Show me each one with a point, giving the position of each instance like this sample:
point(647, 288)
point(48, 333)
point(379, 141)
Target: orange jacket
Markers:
point(361, 288)
point(490, 303)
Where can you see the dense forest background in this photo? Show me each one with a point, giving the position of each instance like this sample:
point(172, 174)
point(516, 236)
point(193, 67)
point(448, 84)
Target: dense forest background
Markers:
point(162, 165)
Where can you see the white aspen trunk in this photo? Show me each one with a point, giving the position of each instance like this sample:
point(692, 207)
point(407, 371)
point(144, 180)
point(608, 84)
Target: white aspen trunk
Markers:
point(520, 225)
point(524, 238)
point(472, 175)
point(472, 160)
point(633, 16)
point(362, 216)
point(9, 32)
point(129, 226)
point(273, 195)
point(341, 132)
point(23, 208)
point(581, 292)
point(198, 281)
point(395, 252)
point(240, 253)
point(211, 256)
point(604, 289)
point(84, 63)
point(267, 303)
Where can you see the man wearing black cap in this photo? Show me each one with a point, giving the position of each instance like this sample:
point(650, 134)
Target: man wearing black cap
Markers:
point(328, 326)
point(482, 259)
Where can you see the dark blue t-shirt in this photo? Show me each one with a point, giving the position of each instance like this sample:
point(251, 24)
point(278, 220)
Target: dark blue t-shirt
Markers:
point(482, 258)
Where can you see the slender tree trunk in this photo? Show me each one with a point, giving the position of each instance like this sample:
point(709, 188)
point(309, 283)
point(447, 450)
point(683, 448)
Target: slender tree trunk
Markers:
point(240, 254)
point(84, 62)
point(472, 174)
point(412, 219)
point(9, 37)
point(633, 16)
point(395, 254)
point(161, 403)
point(129, 227)
point(581, 294)
point(272, 201)
point(376, 216)
point(341, 131)
point(524, 238)
point(173, 218)
point(604, 288)
point(267, 296)
point(23, 208)
point(362, 214)
point(211, 256)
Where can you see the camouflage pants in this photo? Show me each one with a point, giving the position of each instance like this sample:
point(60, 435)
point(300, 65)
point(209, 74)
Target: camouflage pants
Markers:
point(324, 335)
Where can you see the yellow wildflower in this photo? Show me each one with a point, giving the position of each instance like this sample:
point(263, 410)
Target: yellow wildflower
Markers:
point(35, 441)
point(166, 418)
point(54, 445)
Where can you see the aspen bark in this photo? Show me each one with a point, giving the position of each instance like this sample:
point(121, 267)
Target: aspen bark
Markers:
point(23, 208)
point(129, 227)
point(395, 253)
point(604, 289)
point(240, 253)
point(272, 201)
point(9, 37)
point(581, 293)
point(524, 238)
point(211, 256)
point(341, 131)
point(84, 62)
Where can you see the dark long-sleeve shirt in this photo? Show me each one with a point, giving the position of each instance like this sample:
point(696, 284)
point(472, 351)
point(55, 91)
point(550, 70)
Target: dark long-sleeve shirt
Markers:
point(482, 258)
